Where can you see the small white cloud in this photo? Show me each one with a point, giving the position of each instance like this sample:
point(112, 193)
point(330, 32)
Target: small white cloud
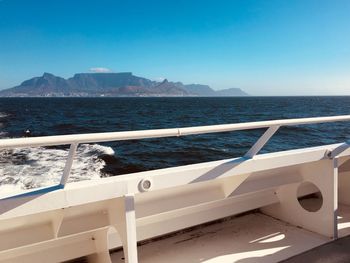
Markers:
point(100, 70)
point(160, 79)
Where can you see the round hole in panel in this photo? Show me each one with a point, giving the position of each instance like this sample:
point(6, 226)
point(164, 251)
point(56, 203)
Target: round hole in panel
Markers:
point(309, 197)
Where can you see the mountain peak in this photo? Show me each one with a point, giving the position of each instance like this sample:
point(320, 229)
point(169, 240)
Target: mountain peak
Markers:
point(48, 75)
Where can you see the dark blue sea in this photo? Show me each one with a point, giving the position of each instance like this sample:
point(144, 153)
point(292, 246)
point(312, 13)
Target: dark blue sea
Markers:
point(34, 167)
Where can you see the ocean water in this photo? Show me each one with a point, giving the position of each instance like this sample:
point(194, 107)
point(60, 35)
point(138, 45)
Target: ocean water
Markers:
point(43, 166)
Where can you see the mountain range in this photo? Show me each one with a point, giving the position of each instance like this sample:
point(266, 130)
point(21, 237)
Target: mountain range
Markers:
point(123, 84)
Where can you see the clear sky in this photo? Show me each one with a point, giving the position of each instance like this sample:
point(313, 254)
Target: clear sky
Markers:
point(265, 47)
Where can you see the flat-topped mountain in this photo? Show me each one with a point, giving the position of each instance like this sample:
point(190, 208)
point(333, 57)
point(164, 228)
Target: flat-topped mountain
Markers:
point(123, 84)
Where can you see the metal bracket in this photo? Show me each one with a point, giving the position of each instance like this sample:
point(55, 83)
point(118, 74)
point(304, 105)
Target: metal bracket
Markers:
point(337, 151)
point(125, 223)
point(260, 143)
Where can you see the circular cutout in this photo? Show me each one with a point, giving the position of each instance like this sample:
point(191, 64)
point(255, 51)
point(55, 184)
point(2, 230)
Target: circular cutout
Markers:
point(309, 197)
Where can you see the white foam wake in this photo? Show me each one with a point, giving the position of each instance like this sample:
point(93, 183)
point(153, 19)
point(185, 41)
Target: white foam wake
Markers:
point(37, 167)
point(3, 115)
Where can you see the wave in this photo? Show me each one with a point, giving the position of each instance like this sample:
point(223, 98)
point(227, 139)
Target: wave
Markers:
point(3, 115)
point(38, 167)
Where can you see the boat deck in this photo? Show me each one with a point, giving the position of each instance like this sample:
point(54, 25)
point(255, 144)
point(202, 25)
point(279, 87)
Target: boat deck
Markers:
point(252, 237)
point(301, 195)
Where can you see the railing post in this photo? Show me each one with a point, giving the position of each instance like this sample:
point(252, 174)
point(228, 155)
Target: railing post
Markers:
point(259, 144)
point(69, 163)
point(335, 196)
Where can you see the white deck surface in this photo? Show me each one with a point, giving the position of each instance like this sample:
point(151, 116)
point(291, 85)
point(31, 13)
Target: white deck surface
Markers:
point(249, 238)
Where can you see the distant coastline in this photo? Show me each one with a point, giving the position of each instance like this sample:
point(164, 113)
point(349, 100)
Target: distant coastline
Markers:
point(123, 84)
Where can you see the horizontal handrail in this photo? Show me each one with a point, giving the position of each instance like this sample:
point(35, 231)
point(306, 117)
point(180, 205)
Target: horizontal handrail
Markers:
point(158, 133)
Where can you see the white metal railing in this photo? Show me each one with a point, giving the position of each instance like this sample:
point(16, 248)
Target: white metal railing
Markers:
point(74, 140)
point(53, 219)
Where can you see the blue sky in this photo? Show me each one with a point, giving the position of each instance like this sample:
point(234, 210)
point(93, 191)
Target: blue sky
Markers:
point(264, 47)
